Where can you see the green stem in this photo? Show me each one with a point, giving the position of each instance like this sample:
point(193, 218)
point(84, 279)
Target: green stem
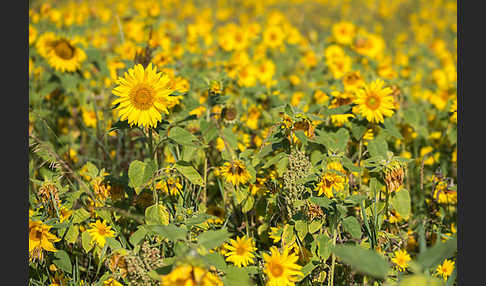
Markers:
point(333, 263)
point(152, 154)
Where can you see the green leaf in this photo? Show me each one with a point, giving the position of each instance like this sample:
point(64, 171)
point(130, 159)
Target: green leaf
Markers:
point(363, 260)
point(391, 129)
point(248, 205)
point(307, 269)
point(358, 131)
point(301, 228)
point(213, 238)
point(171, 232)
point(215, 259)
point(420, 279)
point(282, 165)
point(86, 241)
point(139, 173)
point(230, 138)
point(274, 159)
point(401, 202)
point(315, 226)
point(189, 172)
point(80, 215)
point(437, 253)
point(137, 236)
point(113, 243)
point(209, 131)
point(236, 277)
point(157, 214)
point(378, 148)
point(321, 201)
point(62, 261)
point(197, 219)
point(352, 226)
point(183, 137)
point(324, 244)
point(342, 136)
point(72, 234)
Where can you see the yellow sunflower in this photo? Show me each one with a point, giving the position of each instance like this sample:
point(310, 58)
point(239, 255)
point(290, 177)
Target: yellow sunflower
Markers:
point(99, 231)
point(142, 95)
point(189, 275)
point(281, 267)
point(331, 181)
point(240, 251)
point(445, 269)
point(401, 259)
point(171, 186)
point(44, 43)
point(235, 172)
point(63, 55)
point(374, 102)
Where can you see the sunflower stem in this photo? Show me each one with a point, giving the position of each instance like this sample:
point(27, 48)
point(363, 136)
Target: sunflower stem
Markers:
point(152, 155)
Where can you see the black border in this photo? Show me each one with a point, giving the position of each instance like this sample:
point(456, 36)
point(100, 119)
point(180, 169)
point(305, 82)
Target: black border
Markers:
point(14, 126)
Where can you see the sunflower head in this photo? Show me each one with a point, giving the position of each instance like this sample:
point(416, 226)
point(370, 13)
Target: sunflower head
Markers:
point(143, 94)
point(281, 268)
point(63, 55)
point(374, 102)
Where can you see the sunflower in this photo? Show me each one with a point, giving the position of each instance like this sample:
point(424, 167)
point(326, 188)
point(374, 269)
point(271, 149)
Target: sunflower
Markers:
point(445, 269)
point(112, 282)
point(240, 251)
point(401, 259)
point(142, 95)
point(44, 43)
point(273, 36)
point(189, 275)
point(343, 32)
point(63, 55)
point(99, 231)
point(331, 180)
point(374, 102)
point(281, 267)
point(235, 172)
point(453, 110)
point(172, 186)
point(32, 34)
point(40, 239)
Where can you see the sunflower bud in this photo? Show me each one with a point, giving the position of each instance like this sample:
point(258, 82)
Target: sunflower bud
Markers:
point(229, 114)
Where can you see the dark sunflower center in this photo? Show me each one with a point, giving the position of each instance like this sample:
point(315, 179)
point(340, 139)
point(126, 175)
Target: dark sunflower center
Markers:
point(142, 97)
point(37, 235)
point(64, 50)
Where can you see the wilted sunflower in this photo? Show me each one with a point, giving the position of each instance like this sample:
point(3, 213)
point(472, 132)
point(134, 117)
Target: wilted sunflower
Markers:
point(143, 93)
point(281, 267)
point(40, 239)
point(235, 172)
point(374, 102)
point(240, 251)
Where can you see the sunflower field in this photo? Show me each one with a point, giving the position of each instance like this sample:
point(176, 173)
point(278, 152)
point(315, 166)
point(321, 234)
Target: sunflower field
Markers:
point(259, 142)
